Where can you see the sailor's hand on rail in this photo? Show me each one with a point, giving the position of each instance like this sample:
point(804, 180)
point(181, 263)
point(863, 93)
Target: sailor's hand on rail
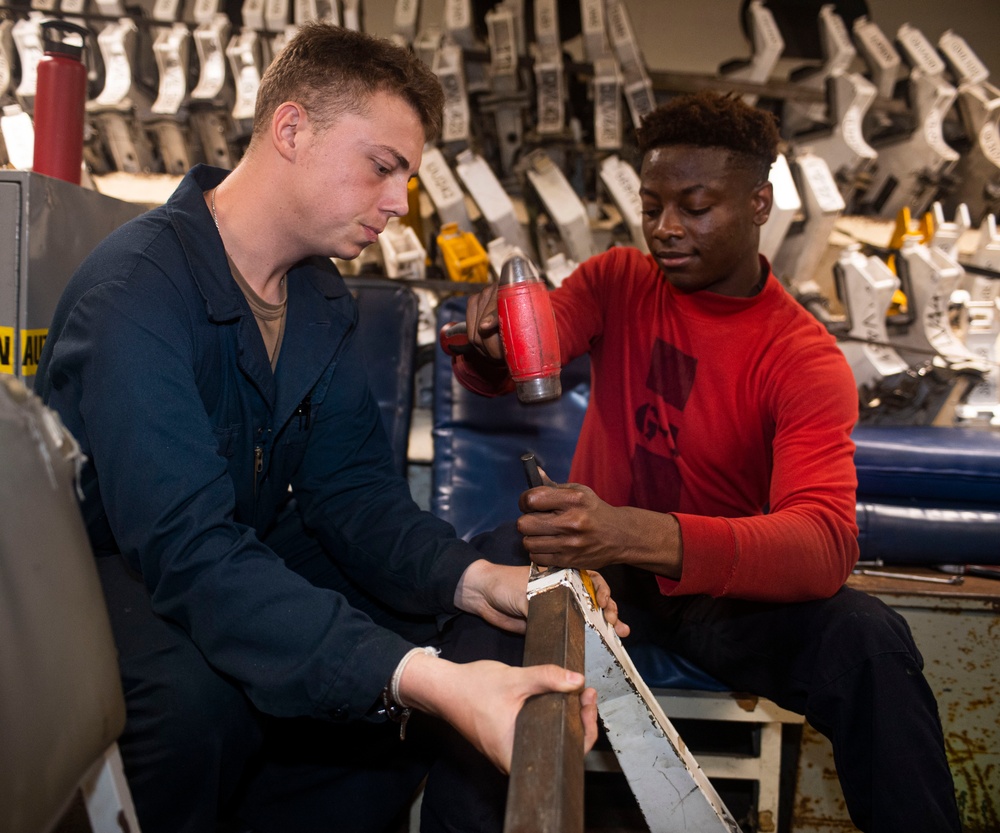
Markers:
point(498, 594)
point(482, 699)
point(568, 525)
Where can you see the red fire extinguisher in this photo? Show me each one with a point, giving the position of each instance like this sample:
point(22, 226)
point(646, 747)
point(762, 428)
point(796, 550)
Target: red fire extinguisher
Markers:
point(60, 101)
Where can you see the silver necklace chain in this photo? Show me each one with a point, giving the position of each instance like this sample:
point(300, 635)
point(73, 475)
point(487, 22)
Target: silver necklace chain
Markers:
point(214, 215)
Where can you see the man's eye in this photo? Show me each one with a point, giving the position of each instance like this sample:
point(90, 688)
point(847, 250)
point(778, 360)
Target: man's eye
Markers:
point(697, 212)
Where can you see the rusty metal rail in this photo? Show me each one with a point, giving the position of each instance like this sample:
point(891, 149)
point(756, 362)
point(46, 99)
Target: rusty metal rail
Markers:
point(546, 781)
point(546, 789)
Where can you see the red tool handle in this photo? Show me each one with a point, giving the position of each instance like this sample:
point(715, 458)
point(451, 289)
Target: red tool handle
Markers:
point(454, 339)
point(528, 331)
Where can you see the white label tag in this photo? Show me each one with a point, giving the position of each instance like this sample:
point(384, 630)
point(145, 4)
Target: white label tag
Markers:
point(817, 175)
point(246, 74)
point(457, 15)
point(253, 15)
point(607, 113)
point(965, 61)
point(548, 81)
point(276, 15)
point(922, 54)
point(172, 89)
point(205, 10)
point(117, 69)
point(246, 93)
point(5, 57)
point(840, 45)
point(448, 68)
point(165, 10)
point(877, 46)
point(18, 136)
point(28, 40)
point(503, 52)
point(352, 15)
point(641, 100)
point(208, 41)
point(171, 60)
point(622, 183)
point(989, 142)
point(404, 22)
point(546, 25)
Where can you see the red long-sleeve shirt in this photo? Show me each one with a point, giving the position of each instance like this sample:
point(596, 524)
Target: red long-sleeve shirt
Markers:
point(733, 414)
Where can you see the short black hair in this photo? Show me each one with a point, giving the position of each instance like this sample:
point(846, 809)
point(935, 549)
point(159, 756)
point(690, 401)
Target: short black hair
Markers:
point(710, 119)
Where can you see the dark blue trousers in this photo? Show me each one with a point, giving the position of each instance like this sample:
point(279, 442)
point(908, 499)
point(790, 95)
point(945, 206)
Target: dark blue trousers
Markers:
point(200, 758)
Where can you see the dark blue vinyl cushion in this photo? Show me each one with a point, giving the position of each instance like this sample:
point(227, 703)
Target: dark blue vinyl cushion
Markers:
point(387, 329)
point(901, 531)
point(478, 442)
point(928, 495)
point(928, 464)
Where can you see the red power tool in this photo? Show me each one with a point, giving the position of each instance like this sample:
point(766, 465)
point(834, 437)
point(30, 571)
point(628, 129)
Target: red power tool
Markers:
point(527, 330)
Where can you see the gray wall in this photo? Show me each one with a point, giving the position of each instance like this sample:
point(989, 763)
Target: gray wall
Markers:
point(699, 35)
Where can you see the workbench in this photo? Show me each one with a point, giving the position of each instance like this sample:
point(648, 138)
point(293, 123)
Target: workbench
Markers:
point(957, 629)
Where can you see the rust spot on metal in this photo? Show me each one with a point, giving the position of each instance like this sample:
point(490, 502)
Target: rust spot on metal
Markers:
point(803, 806)
point(810, 814)
point(978, 811)
point(830, 774)
point(813, 738)
point(765, 822)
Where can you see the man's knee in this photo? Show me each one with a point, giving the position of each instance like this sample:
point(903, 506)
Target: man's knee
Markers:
point(186, 746)
point(859, 626)
point(205, 717)
point(502, 545)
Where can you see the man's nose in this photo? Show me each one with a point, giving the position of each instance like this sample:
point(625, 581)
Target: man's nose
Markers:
point(396, 201)
point(668, 225)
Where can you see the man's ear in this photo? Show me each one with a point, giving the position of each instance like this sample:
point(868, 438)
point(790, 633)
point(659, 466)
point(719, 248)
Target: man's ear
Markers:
point(286, 125)
point(762, 198)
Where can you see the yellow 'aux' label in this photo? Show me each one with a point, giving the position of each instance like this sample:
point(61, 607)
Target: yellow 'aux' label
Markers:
point(32, 342)
point(7, 350)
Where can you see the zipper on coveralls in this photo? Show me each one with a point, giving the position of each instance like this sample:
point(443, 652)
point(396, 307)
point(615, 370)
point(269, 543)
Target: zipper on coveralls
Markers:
point(258, 465)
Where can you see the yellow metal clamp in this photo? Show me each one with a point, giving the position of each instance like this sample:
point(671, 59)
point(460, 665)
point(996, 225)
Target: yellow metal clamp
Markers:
point(465, 258)
point(907, 228)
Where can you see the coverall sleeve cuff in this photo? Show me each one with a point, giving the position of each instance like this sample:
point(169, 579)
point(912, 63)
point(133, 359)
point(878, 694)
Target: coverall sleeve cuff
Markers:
point(356, 690)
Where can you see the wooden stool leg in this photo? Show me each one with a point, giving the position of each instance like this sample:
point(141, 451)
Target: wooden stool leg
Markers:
point(769, 782)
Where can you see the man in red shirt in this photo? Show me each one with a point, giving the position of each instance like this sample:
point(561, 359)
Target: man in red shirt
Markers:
point(713, 482)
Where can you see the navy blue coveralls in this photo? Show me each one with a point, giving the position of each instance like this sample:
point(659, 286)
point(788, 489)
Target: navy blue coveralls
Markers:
point(264, 564)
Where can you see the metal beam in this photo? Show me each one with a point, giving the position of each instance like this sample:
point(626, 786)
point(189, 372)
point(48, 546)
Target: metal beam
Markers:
point(546, 782)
